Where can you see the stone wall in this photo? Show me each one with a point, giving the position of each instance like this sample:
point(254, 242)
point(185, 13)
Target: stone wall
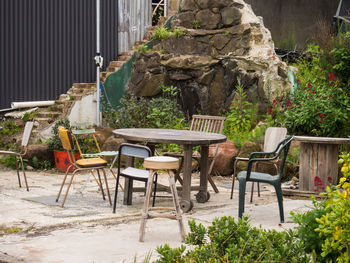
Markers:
point(293, 23)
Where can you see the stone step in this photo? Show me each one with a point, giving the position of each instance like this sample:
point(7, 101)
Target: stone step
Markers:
point(112, 69)
point(48, 114)
point(116, 63)
point(124, 58)
point(83, 85)
point(49, 120)
point(128, 53)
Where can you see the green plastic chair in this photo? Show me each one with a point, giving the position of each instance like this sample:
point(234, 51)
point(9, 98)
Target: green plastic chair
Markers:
point(275, 180)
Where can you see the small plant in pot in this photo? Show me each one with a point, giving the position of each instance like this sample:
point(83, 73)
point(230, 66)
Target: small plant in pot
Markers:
point(54, 143)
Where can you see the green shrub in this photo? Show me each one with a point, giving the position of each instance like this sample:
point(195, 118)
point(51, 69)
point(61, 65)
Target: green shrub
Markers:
point(158, 112)
point(178, 32)
point(9, 128)
point(319, 108)
point(54, 142)
point(161, 33)
point(334, 227)
point(307, 223)
point(229, 241)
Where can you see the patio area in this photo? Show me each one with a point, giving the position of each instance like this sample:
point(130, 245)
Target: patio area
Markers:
point(86, 230)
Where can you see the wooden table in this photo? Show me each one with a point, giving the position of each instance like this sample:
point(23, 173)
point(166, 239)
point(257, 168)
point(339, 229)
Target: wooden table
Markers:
point(318, 157)
point(188, 139)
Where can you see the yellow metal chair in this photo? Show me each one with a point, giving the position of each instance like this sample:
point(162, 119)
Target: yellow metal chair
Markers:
point(25, 139)
point(89, 164)
point(86, 129)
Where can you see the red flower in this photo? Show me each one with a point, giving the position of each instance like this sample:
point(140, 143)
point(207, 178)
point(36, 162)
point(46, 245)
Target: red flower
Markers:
point(270, 111)
point(298, 81)
point(317, 181)
point(309, 86)
point(313, 90)
point(332, 77)
point(274, 102)
point(322, 116)
point(331, 84)
point(289, 104)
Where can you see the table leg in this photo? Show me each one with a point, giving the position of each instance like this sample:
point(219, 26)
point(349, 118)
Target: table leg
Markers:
point(128, 184)
point(203, 194)
point(186, 203)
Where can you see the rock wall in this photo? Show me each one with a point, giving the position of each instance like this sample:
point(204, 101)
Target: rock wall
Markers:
point(221, 40)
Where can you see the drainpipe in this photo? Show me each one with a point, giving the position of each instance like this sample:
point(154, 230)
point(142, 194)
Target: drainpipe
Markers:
point(99, 63)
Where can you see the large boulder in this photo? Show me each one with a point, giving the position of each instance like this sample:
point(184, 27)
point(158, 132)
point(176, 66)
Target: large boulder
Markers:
point(112, 143)
point(222, 40)
point(40, 151)
point(224, 158)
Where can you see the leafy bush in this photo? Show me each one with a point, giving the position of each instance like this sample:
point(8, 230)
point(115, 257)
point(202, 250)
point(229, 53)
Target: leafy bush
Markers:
point(307, 223)
point(319, 108)
point(334, 227)
point(9, 128)
point(229, 241)
point(54, 142)
point(158, 112)
point(161, 33)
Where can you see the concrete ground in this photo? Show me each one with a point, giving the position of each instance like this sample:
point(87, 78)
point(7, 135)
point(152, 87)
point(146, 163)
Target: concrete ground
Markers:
point(33, 228)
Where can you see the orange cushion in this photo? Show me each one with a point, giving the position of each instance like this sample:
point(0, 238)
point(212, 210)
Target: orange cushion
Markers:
point(91, 162)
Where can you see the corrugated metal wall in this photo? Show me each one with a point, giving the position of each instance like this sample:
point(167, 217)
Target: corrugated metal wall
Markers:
point(135, 16)
point(46, 45)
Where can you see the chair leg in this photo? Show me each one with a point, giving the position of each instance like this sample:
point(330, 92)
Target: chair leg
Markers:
point(211, 181)
point(106, 182)
point(145, 208)
point(19, 178)
point(251, 193)
point(100, 184)
point(234, 177)
point(178, 171)
point(233, 185)
point(116, 194)
point(70, 183)
point(24, 173)
point(258, 189)
point(242, 187)
point(176, 203)
point(63, 182)
point(280, 200)
point(155, 189)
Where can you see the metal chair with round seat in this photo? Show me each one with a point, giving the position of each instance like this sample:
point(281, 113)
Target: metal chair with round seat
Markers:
point(168, 164)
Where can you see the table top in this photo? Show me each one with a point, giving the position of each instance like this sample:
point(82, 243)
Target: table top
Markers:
point(323, 140)
point(181, 137)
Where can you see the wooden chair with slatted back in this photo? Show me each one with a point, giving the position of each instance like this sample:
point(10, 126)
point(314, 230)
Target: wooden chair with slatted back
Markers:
point(203, 123)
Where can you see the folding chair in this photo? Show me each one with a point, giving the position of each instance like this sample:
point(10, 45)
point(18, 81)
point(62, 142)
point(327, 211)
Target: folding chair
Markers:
point(89, 164)
point(25, 139)
point(132, 173)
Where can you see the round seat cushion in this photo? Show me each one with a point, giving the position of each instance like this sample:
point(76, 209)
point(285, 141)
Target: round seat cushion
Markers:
point(161, 162)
